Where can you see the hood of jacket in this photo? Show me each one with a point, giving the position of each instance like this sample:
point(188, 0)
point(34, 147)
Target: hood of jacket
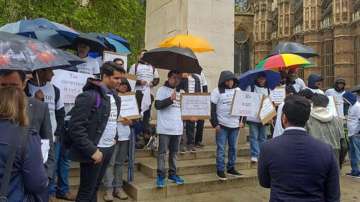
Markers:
point(95, 84)
point(322, 114)
point(312, 79)
point(350, 98)
point(225, 76)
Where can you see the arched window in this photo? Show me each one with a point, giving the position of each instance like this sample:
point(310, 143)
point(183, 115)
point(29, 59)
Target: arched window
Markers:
point(241, 52)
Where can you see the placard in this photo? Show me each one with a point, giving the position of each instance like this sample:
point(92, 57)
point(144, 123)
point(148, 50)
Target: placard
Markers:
point(246, 104)
point(195, 106)
point(70, 84)
point(110, 56)
point(132, 81)
point(129, 107)
point(332, 108)
point(278, 95)
point(267, 111)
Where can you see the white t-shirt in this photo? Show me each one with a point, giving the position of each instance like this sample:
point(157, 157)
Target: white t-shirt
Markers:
point(259, 90)
point(49, 98)
point(108, 137)
point(123, 132)
point(169, 120)
point(223, 103)
point(299, 85)
point(278, 130)
point(191, 84)
point(353, 119)
point(145, 73)
point(91, 66)
point(339, 101)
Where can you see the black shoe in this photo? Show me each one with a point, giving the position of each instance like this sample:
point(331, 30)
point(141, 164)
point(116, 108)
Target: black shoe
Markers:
point(221, 175)
point(234, 172)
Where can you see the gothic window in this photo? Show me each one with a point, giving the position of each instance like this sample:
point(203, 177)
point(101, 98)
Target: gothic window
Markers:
point(241, 52)
point(328, 70)
point(242, 6)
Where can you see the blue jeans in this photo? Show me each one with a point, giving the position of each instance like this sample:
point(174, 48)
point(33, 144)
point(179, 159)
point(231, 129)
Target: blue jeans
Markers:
point(229, 135)
point(354, 153)
point(61, 171)
point(257, 137)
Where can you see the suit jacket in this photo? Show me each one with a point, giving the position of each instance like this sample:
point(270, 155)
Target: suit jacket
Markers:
point(297, 167)
point(40, 122)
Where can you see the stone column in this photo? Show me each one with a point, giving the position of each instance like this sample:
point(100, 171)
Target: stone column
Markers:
point(343, 41)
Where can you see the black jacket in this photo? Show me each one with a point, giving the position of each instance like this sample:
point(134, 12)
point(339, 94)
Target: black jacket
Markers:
point(297, 167)
point(88, 120)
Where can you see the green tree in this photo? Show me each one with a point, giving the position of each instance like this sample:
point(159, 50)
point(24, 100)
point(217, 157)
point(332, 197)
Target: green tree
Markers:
point(123, 17)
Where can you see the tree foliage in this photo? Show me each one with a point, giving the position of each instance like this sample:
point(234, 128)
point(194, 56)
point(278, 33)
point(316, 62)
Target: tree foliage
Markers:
point(123, 17)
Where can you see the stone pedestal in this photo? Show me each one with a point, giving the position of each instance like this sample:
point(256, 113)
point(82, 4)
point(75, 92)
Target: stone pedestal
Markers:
point(211, 19)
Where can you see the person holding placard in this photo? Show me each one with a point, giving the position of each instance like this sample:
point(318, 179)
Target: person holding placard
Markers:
point(257, 129)
point(113, 179)
point(323, 125)
point(169, 128)
point(337, 92)
point(226, 125)
point(147, 78)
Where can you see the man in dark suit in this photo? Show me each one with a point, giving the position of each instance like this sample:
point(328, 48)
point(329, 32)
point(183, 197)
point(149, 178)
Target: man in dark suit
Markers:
point(296, 166)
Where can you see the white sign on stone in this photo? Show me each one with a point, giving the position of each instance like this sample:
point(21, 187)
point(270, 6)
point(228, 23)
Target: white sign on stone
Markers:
point(246, 104)
point(70, 84)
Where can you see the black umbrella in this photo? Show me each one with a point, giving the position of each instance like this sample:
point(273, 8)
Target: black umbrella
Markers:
point(89, 39)
point(294, 48)
point(71, 58)
point(174, 58)
point(26, 54)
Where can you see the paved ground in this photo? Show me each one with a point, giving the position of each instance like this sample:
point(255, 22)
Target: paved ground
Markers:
point(350, 190)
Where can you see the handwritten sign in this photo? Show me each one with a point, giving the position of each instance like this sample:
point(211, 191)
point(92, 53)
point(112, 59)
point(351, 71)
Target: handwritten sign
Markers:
point(332, 108)
point(110, 56)
point(70, 84)
point(267, 111)
point(246, 104)
point(278, 95)
point(195, 105)
point(129, 107)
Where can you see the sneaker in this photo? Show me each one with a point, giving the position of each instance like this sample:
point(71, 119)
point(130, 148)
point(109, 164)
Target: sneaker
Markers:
point(254, 160)
point(67, 197)
point(191, 148)
point(221, 175)
point(199, 145)
point(160, 182)
point(176, 179)
point(234, 172)
point(120, 194)
point(183, 149)
point(353, 175)
point(108, 196)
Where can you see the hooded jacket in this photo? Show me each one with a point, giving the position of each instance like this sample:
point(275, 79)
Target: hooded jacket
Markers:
point(324, 126)
point(218, 116)
point(353, 118)
point(89, 118)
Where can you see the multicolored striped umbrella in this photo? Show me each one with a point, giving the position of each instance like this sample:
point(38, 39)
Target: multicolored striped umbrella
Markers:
point(283, 61)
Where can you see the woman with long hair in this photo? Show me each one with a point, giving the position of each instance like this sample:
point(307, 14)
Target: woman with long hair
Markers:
point(22, 174)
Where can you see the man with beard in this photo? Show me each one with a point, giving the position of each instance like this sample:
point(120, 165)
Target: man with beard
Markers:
point(337, 92)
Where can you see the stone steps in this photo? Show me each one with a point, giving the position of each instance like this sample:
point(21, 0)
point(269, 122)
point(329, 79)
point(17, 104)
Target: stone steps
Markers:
point(143, 188)
point(148, 166)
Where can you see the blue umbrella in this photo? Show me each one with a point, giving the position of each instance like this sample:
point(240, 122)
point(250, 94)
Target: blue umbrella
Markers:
point(57, 35)
point(111, 43)
point(119, 39)
point(248, 78)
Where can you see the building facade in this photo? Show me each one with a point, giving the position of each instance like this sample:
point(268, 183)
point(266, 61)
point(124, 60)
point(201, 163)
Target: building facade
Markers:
point(331, 27)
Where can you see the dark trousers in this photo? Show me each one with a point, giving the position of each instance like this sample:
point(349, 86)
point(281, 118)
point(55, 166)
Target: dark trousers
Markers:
point(190, 132)
point(146, 116)
point(171, 143)
point(91, 175)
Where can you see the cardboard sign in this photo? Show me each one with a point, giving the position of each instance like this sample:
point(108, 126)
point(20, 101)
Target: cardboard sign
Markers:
point(110, 56)
point(246, 104)
point(195, 105)
point(129, 107)
point(70, 84)
point(267, 111)
point(278, 95)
